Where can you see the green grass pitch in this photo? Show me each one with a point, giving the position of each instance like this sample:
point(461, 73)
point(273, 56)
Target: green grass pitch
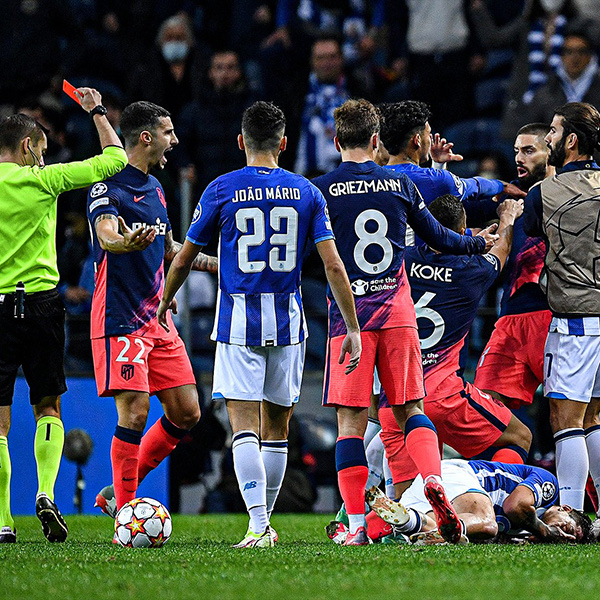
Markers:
point(198, 563)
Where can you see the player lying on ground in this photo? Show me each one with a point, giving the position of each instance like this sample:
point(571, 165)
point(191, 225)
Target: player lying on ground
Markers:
point(489, 498)
point(370, 207)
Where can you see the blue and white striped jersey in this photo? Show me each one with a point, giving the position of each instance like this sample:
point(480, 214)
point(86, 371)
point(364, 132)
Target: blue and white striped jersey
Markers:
point(499, 480)
point(266, 218)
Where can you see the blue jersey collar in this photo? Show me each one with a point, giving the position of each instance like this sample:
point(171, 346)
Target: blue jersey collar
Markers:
point(577, 165)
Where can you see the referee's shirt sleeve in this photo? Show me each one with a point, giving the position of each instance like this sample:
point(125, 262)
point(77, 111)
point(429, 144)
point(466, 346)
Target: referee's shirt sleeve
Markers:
point(59, 178)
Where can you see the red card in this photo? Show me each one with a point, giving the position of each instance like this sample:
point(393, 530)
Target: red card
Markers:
point(71, 91)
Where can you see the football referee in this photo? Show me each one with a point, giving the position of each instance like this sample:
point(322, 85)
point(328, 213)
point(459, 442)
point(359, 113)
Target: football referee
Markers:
point(31, 313)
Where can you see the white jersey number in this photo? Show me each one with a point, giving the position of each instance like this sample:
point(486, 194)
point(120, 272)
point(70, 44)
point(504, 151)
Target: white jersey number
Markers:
point(424, 312)
point(377, 237)
point(287, 238)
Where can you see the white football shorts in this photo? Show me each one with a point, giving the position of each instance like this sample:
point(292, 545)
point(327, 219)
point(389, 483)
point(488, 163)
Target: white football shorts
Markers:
point(571, 366)
point(457, 478)
point(256, 373)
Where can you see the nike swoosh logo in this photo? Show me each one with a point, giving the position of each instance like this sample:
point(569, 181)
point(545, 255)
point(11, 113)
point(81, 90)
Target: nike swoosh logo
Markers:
point(138, 198)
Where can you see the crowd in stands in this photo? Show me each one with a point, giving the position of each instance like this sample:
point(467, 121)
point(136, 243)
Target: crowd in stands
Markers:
point(485, 68)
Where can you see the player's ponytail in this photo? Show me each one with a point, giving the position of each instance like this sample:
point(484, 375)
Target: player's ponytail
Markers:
point(583, 120)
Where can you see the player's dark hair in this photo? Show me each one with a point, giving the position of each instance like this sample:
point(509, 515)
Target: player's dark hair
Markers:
point(263, 126)
point(449, 211)
point(355, 122)
point(15, 128)
point(583, 120)
point(138, 117)
point(400, 121)
point(585, 523)
point(537, 129)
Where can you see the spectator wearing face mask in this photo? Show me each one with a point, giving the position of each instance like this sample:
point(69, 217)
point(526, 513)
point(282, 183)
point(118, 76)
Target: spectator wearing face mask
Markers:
point(175, 69)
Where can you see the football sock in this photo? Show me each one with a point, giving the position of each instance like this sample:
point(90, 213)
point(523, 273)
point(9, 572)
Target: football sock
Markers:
point(510, 454)
point(274, 455)
point(592, 441)
point(48, 447)
point(351, 465)
point(124, 453)
point(376, 526)
point(375, 453)
point(572, 466)
point(6, 519)
point(422, 445)
point(252, 478)
point(413, 525)
point(373, 428)
point(157, 443)
point(390, 490)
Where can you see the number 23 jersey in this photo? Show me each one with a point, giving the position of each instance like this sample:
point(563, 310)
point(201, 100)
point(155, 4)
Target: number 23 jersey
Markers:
point(267, 217)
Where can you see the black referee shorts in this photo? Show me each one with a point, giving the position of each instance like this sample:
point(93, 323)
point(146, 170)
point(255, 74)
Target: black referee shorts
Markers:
point(36, 342)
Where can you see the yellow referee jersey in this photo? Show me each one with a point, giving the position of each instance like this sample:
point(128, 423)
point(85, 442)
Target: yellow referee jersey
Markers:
point(28, 215)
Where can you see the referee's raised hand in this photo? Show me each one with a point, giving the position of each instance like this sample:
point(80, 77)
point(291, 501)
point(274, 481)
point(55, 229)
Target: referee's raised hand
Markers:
point(90, 98)
point(139, 239)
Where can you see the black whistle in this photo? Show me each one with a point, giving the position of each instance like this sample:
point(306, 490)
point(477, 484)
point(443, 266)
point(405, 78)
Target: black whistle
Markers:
point(20, 300)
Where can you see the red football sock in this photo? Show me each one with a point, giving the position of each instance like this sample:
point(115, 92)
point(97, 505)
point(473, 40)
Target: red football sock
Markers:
point(508, 455)
point(590, 488)
point(157, 444)
point(352, 483)
point(124, 458)
point(422, 446)
point(376, 526)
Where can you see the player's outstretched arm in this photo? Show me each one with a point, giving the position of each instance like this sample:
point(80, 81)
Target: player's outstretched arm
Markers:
point(178, 272)
point(202, 262)
point(90, 98)
point(519, 507)
point(111, 240)
point(340, 287)
point(509, 211)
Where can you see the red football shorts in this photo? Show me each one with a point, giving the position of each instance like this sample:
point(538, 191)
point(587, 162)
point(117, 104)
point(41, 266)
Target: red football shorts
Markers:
point(140, 364)
point(469, 421)
point(512, 363)
point(397, 355)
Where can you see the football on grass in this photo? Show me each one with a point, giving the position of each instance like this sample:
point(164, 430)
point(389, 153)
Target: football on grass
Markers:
point(143, 523)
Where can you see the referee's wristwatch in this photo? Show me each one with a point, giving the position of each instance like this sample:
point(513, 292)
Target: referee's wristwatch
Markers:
point(98, 110)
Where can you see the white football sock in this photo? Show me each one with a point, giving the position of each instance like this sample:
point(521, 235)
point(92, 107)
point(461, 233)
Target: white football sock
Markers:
point(414, 523)
point(572, 466)
point(373, 428)
point(375, 453)
point(356, 521)
point(251, 476)
point(592, 441)
point(274, 456)
point(390, 490)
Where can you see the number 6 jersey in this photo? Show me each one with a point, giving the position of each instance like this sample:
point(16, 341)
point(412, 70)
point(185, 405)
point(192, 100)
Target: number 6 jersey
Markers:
point(369, 208)
point(266, 218)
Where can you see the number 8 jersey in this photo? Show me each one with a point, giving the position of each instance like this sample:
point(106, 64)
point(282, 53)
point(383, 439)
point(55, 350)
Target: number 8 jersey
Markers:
point(267, 218)
point(370, 207)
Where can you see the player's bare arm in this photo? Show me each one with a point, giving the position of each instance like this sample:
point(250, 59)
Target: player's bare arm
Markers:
point(126, 240)
point(513, 191)
point(178, 272)
point(340, 287)
point(509, 211)
point(519, 507)
point(202, 262)
point(90, 98)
